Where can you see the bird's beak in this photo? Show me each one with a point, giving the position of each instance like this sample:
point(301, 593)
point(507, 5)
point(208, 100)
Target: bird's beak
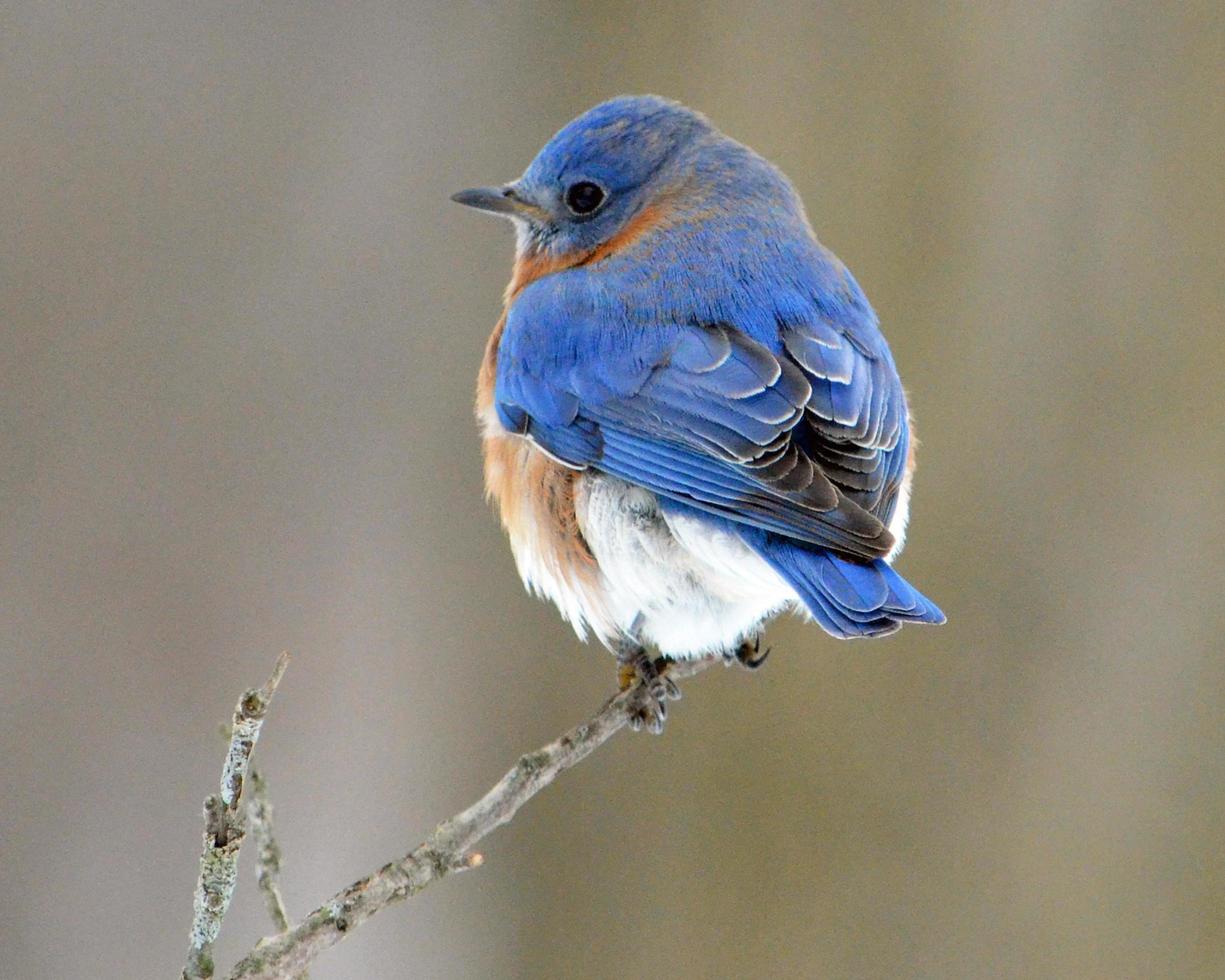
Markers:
point(500, 200)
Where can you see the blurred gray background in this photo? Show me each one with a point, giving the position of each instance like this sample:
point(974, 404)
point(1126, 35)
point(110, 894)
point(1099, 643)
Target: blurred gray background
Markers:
point(241, 323)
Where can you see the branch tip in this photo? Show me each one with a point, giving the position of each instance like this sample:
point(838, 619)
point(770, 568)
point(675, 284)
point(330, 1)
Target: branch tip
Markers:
point(225, 827)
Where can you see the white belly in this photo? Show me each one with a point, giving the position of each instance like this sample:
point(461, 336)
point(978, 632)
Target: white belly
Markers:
point(689, 589)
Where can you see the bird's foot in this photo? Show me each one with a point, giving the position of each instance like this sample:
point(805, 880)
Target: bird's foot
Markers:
point(656, 688)
point(748, 655)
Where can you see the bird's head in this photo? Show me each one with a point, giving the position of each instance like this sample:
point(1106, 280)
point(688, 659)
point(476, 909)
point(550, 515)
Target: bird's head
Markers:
point(596, 176)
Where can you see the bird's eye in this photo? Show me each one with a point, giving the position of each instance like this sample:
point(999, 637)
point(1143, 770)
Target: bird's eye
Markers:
point(584, 197)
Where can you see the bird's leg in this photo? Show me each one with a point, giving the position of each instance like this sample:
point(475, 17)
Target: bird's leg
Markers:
point(749, 654)
point(634, 665)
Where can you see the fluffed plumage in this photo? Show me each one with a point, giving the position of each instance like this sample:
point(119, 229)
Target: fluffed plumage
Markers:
point(692, 419)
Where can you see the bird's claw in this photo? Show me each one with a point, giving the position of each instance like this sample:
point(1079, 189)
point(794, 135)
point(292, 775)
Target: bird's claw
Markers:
point(748, 655)
point(655, 690)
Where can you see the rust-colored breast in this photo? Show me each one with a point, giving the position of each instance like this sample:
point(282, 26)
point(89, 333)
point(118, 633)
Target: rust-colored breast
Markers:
point(535, 497)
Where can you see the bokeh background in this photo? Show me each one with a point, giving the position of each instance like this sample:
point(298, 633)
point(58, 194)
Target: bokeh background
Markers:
point(241, 322)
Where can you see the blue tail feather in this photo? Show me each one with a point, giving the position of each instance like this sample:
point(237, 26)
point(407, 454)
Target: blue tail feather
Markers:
point(848, 599)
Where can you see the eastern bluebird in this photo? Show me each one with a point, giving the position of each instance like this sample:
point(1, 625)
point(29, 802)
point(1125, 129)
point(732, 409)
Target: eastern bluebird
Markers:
point(691, 420)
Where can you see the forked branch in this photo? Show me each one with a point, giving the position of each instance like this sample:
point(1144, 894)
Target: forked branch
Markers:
point(225, 827)
point(449, 848)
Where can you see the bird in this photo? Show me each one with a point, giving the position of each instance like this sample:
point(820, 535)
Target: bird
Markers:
point(690, 419)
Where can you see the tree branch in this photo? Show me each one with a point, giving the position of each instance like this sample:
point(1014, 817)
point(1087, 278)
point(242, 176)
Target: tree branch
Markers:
point(225, 827)
point(448, 849)
point(268, 853)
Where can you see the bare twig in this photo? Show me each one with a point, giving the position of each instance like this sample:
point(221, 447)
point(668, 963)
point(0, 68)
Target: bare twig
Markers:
point(225, 827)
point(447, 849)
point(268, 853)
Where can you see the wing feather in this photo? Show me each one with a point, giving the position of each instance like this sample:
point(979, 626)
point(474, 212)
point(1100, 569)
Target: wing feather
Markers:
point(802, 435)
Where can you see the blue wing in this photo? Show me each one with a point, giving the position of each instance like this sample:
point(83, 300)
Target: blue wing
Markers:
point(789, 419)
